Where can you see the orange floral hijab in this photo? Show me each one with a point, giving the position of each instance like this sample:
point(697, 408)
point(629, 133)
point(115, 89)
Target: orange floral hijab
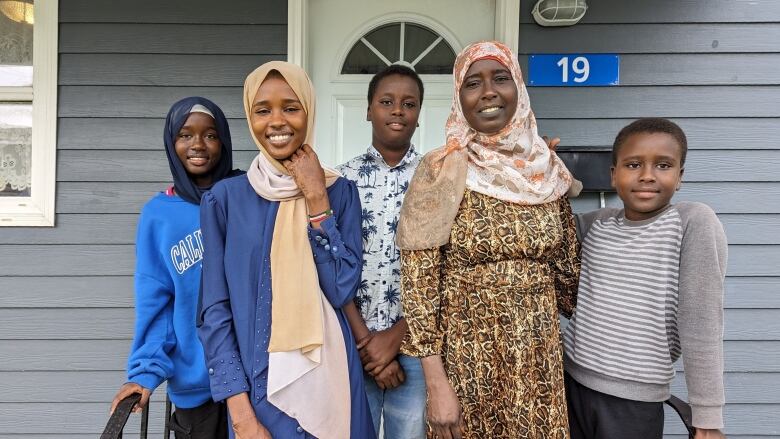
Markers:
point(513, 165)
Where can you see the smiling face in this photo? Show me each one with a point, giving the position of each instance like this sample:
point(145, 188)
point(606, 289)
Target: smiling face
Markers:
point(488, 96)
point(647, 173)
point(199, 148)
point(278, 118)
point(393, 112)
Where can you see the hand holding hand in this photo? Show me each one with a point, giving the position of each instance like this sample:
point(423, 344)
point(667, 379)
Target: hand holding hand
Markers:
point(391, 376)
point(377, 351)
point(128, 389)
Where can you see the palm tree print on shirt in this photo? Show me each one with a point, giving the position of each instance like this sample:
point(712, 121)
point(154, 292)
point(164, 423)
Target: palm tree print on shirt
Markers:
point(381, 189)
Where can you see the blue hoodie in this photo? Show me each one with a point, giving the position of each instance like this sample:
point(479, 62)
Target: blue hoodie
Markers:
point(169, 251)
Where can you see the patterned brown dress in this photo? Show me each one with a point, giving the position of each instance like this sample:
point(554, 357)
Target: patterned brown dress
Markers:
point(488, 303)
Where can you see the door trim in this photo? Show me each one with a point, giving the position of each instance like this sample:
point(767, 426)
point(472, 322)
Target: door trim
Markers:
point(506, 25)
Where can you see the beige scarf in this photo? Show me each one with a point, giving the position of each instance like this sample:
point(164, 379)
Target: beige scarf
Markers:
point(513, 165)
point(308, 376)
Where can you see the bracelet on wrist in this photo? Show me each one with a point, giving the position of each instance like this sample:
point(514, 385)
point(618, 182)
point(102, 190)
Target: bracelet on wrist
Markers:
point(321, 216)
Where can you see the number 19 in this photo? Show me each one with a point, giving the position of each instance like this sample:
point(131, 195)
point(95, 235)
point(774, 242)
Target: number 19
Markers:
point(580, 66)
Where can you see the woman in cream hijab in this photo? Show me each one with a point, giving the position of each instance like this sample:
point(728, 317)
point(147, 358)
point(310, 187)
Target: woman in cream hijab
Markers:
point(282, 257)
point(488, 258)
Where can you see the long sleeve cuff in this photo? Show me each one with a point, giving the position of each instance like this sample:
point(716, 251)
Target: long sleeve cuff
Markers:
point(421, 350)
point(326, 243)
point(147, 380)
point(707, 417)
point(227, 376)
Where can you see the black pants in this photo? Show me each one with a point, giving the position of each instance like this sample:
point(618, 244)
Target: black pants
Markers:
point(208, 421)
point(596, 415)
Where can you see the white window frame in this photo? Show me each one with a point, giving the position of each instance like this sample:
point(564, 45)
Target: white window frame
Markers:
point(507, 28)
point(38, 208)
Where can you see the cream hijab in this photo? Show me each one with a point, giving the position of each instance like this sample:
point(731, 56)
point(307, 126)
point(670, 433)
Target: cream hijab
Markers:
point(308, 377)
point(513, 165)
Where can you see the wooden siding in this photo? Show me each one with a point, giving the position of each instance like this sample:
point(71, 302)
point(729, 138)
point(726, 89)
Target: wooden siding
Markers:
point(714, 70)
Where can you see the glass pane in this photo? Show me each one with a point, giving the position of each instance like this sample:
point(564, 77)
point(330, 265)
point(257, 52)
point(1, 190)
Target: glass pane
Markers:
point(417, 39)
point(15, 149)
point(387, 39)
point(16, 42)
point(438, 61)
point(361, 60)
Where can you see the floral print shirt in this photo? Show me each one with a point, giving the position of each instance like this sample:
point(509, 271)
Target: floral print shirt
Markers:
point(382, 190)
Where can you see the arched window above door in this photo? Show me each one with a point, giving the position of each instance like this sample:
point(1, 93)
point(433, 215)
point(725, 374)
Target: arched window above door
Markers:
point(401, 42)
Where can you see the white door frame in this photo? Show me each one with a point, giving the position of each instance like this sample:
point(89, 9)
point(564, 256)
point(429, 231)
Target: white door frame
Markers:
point(507, 28)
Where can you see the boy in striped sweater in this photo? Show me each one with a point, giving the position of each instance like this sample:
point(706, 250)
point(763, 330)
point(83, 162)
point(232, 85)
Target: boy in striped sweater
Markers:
point(651, 290)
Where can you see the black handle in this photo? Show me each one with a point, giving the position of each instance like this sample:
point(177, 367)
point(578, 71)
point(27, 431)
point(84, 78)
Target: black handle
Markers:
point(120, 416)
point(684, 410)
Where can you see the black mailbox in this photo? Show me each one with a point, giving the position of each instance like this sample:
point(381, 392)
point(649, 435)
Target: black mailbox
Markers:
point(590, 166)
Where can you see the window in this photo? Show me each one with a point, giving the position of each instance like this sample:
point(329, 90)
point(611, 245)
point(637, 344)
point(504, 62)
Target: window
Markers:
point(28, 111)
point(404, 43)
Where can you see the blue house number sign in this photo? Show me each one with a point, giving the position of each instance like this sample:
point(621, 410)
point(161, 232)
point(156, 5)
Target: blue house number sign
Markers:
point(573, 70)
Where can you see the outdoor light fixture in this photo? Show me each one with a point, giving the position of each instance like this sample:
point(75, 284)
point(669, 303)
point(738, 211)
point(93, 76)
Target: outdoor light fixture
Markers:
point(20, 11)
point(559, 12)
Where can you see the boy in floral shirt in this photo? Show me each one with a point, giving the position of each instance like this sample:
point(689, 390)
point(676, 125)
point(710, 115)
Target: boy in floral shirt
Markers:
point(394, 383)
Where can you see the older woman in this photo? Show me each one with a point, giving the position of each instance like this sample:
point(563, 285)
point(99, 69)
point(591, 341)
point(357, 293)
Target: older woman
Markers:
point(489, 258)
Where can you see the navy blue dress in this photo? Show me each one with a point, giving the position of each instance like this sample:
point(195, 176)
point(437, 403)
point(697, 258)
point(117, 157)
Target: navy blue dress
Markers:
point(238, 227)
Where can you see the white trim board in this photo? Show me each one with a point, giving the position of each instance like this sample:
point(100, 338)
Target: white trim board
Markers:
point(507, 28)
point(38, 208)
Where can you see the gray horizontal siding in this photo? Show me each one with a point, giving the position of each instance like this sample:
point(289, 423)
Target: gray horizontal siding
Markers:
point(653, 38)
point(733, 133)
point(158, 70)
point(175, 11)
point(677, 11)
point(61, 292)
point(78, 228)
point(212, 39)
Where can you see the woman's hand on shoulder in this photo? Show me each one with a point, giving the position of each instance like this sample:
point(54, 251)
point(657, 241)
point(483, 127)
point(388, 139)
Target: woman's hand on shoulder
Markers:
point(552, 143)
point(128, 389)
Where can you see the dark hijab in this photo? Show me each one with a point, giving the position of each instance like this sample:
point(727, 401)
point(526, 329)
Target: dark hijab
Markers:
point(177, 115)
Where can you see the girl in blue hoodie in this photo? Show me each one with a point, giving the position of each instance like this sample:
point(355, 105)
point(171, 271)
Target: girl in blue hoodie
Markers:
point(169, 250)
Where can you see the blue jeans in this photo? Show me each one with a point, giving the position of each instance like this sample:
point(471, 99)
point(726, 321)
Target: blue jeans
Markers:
point(403, 407)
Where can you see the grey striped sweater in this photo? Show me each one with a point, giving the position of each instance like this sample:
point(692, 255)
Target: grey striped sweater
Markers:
point(650, 291)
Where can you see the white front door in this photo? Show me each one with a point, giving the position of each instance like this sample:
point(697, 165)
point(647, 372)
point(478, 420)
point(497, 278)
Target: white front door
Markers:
point(403, 30)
